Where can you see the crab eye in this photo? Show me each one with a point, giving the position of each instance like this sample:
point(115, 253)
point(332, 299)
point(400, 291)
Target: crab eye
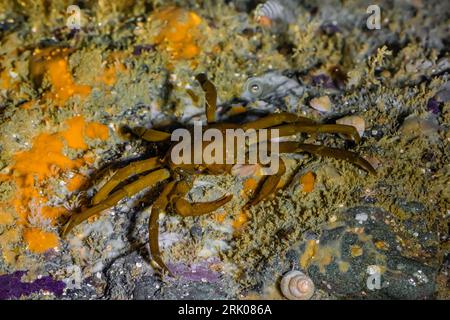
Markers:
point(254, 87)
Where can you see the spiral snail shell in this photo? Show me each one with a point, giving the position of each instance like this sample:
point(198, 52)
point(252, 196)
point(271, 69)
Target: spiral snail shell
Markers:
point(272, 10)
point(295, 285)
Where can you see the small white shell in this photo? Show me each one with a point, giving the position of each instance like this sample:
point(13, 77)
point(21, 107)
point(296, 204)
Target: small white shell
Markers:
point(295, 285)
point(355, 121)
point(322, 104)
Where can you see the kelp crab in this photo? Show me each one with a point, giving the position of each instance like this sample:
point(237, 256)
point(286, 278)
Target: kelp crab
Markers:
point(179, 178)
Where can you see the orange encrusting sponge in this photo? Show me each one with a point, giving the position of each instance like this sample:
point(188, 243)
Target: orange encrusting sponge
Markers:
point(62, 82)
point(53, 63)
point(32, 168)
point(178, 33)
point(41, 161)
point(39, 241)
point(76, 182)
point(308, 180)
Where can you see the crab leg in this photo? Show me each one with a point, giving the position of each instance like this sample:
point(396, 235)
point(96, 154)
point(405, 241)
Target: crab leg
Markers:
point(267, 186)
point(151, 135)
point(276, 119)
point(153, 227)
point(173, 192)
point(290, 124)
point(210, 97)
point(186, 208)
point(127, 191)
point(123, 174)
point(293, 128)
point(352, 157)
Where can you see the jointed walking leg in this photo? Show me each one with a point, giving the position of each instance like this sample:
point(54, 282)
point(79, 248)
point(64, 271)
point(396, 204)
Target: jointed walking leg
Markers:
point(124, 173)
point(127, 191)
point(153, 226)
point(268, 185)
point(186, 208)
point(352, 157)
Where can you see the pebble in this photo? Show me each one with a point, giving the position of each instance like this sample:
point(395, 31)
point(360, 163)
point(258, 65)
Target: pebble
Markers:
point(443, 94)
point(322, 104)
point(414, 126)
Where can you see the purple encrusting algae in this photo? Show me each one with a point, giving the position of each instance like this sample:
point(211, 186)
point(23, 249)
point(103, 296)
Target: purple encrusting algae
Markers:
point(11, 286)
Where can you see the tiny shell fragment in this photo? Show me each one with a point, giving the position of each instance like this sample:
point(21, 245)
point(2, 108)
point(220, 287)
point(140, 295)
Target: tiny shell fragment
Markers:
point(355, 121)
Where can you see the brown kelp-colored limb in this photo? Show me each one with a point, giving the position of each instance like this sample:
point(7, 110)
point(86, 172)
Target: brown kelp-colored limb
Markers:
point(268, 185)
point(158, 206)
point(127, 191)
point(151, 135)
point(294, 128)
point(275, 120)
point(188, 209)
point(349, 156)
point(210, 96)
point(124, 173)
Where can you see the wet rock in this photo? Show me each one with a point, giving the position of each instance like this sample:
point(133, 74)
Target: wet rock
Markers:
point(360, 258)
point(146, 288)
point(126, 275)
point(292, 256)
point(130, 277)
point(196, 231)
point(192, 291)
point(90, 288)
point(413, 207)
point(414, 126)
point(443, 94)
point(200, 272)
